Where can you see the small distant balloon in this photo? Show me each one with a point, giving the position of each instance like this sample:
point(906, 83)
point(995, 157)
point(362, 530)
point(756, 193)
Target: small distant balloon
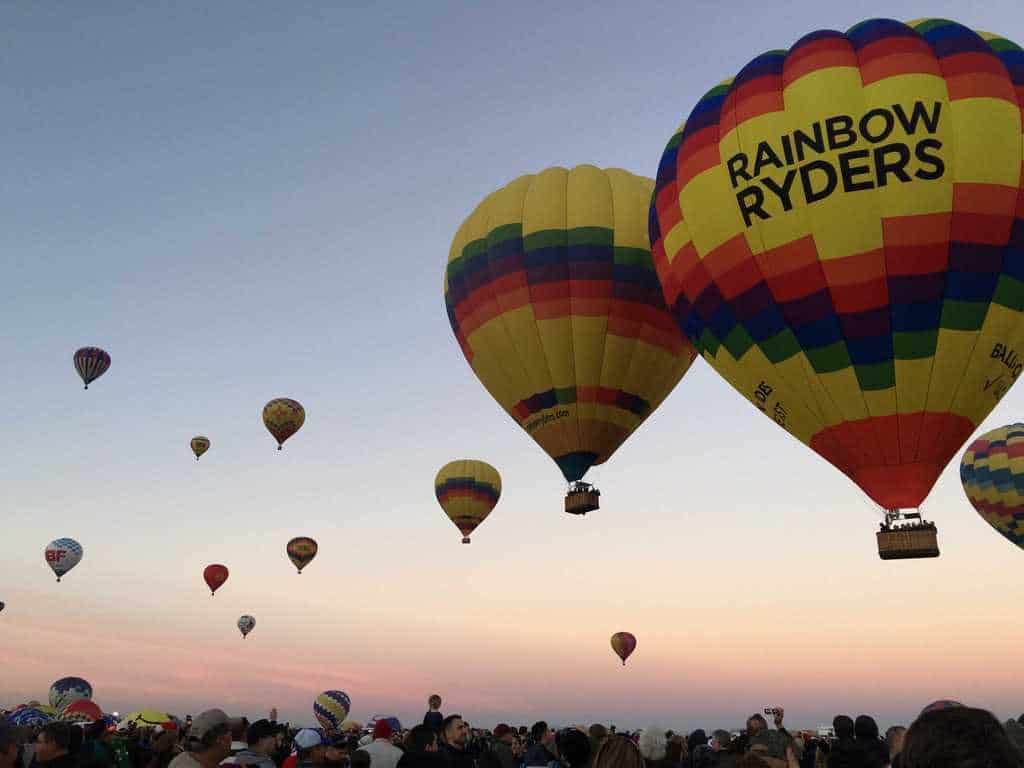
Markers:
point(467, 491)
point(62, 555)
point(246, 624)
point(215, 575)
point(200, 445)
point(91, 363)
point(283, 417)
point(301, 551)
point(623, 643)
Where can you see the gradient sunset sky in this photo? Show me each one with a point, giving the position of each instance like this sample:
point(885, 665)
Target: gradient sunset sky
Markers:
point(241, 201)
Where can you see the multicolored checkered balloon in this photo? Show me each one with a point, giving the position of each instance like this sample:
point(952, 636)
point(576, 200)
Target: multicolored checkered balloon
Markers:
point(992, 473)
point(840, 232)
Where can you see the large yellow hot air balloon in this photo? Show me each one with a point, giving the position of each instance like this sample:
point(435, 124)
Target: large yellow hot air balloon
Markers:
point(553, 298)
point(467, 491)
point(839, 231)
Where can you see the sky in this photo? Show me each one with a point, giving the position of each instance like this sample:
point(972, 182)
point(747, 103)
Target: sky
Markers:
point(242, 201)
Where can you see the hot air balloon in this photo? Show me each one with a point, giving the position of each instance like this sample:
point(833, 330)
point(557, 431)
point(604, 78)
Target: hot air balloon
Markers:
point(246, 624)
point(200, 445)
point(301, 551)
point(215, 575)
point(553, 298)
point(81, 711)
point(993, 479)
point(623, 643)
point(834, 230)
point(62, 555)
point(467, 491)
point(91, 363)
point(68, 690)
point(28, 717)
point(283, 417)
point(331, 709)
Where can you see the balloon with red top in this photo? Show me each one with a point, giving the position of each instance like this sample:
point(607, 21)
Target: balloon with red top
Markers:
point(215, 575)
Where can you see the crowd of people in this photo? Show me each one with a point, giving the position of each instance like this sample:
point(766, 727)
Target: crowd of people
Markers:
point(949, 737)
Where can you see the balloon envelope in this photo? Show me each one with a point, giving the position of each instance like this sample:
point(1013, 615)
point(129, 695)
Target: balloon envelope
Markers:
point(467, 491)
point(146, 718)
point(62, 555)
point(283, 417)
point(993, 478)
point(301, 550)
point(834, 230)
point(200, 445)
point(553, 298)
point(28, 717)
point(91, 363)
point(81, 711)
point(623, 643)
point(331, 709)
point(215, 575)
point(68, 690)
point(246, 624)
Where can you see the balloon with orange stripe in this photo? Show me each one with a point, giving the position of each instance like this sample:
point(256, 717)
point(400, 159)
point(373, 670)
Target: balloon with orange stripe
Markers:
point(467, 491)
point(840, 232)
point(553, 298)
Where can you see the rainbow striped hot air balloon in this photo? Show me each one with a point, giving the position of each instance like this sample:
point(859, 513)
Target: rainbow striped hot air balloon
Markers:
point(467, 491)
point(91, 363)
point(992, 473)
point(553, 298)
point(839, 231)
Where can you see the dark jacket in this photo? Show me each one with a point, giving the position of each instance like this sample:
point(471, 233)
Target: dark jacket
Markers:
point(64, 761)
point(503, 752)
point(422, 760)
point(433, 720)
point(847, 753)
point(456, 758)
point(538, 754)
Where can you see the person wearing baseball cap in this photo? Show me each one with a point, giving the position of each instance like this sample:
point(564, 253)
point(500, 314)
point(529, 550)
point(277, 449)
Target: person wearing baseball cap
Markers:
point(261, 740)
point(311, 748)
point(209, 741)
point(383, 754)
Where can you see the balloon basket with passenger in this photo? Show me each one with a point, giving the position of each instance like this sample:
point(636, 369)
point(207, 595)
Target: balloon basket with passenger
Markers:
point(907, 536)
point(582, 498)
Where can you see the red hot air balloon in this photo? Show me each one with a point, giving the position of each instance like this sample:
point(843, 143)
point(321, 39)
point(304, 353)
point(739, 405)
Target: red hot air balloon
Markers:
point(215, 576)
point(623, 643)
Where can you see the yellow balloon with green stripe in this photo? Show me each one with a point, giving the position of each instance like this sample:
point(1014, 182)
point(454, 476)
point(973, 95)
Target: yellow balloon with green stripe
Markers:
point(467, 491)
point(554, 300)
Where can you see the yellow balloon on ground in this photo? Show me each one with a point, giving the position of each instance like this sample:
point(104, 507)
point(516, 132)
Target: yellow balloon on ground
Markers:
point(467, 491)
point(554, 300)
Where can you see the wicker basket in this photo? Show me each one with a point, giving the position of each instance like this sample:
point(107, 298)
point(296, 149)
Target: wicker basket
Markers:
point(908, 543)
point(581, 502)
